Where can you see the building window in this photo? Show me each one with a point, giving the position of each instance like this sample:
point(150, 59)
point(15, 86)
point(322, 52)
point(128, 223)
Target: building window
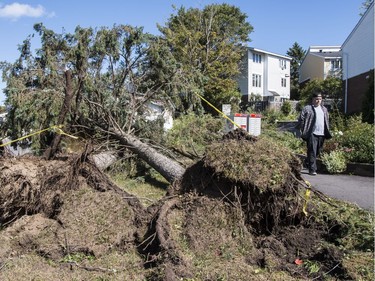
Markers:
point(257, 58)
point(282, 64)
point(335, 64)
point(283, 82)
point(257, 80)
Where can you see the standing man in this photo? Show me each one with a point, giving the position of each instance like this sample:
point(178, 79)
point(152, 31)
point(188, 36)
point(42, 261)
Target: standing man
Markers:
point(314, 125)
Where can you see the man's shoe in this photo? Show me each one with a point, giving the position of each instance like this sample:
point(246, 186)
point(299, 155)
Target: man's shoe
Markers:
point(312, 173)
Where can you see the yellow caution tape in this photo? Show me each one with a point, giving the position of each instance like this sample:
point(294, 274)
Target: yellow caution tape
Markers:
point(57, 128)
point(222, 113)
point(61, 132)
point(307, 197)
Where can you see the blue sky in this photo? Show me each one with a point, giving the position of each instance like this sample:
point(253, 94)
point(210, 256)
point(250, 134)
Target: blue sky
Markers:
point(277, 24)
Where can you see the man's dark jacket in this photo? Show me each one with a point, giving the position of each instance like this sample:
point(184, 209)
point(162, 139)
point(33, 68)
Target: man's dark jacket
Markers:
point(306, 122)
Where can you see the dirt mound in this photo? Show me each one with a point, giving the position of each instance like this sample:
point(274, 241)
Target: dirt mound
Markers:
point(64, 220)
point(241, 213)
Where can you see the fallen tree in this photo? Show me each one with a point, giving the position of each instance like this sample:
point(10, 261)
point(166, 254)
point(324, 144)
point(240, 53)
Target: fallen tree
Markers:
point(171, 170)
point(64, 219)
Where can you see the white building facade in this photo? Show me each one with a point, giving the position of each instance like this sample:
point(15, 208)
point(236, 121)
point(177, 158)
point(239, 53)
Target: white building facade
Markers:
point(265, 76)
point(319, 63)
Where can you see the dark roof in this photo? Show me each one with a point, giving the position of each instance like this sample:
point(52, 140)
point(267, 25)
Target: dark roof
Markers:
point(275, 94)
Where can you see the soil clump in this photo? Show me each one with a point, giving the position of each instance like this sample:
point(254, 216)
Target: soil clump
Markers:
point(241, 213)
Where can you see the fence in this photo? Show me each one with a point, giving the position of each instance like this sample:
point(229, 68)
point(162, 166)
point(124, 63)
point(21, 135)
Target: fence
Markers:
point(259, 106)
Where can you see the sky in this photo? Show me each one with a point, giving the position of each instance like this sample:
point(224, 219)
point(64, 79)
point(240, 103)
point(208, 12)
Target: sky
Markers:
point(277, 24)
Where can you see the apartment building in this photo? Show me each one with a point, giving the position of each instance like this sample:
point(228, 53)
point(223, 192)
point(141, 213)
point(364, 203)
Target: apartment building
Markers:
point(265, 76)
point(320, 62)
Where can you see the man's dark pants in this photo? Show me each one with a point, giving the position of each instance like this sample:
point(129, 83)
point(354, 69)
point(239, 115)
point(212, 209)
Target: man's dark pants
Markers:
point(314, 146)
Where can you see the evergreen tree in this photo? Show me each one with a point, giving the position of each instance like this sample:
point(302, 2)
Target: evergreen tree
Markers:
point(297, 54)
point(92, 78)
point(96, 83)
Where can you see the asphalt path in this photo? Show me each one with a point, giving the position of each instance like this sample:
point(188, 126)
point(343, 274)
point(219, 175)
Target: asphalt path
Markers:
point(354, 189)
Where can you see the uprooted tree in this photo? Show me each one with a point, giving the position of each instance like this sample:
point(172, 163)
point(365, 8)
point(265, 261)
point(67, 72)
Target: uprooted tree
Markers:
point(95, 83)
point(98, 83)
point(248, 208)
point(63, 219)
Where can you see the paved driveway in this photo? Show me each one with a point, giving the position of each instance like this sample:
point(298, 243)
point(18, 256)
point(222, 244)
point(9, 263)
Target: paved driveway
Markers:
point(355, 189)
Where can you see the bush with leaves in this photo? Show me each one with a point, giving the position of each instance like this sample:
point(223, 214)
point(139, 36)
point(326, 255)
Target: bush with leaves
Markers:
point(334, 161)
point(286, 108)
point(331, 88)
point(358, 141)
point(354, 137)
point(272, 116)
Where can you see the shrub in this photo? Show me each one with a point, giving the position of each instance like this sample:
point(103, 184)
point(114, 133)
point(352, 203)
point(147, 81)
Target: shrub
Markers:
point(334, 161)
point(271, 116)
point(354, 137)
point(358, 141)
point(286, 108)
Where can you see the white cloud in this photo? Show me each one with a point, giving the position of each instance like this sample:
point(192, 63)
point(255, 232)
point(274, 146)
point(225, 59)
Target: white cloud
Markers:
point(16, 10)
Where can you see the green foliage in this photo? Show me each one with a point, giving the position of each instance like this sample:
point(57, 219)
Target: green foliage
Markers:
point(354, 137)
point(117, 71)
point(111, 81)
point(150, 129)
point(271, 116)
point(297, 54)
point(358, 141)
point(191, 133)
point(334, 161)
point(307, 91)
point(312, 266)
point(354, 226)
point(208, 45)
point(148, 189)
point(287, 139)
point(286, 108)
point(331, 87)
point(77, 257)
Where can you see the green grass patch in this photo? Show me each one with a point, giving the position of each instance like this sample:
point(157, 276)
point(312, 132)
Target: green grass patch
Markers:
point(148, 189)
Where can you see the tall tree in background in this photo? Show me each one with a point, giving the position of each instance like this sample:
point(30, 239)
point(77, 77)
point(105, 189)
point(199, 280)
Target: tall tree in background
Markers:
point(208, 44)
point(297, 54)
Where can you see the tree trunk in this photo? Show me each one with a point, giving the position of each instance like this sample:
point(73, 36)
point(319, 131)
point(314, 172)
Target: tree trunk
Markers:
point(168, 168)
point(50, 152)
point(104, 159)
